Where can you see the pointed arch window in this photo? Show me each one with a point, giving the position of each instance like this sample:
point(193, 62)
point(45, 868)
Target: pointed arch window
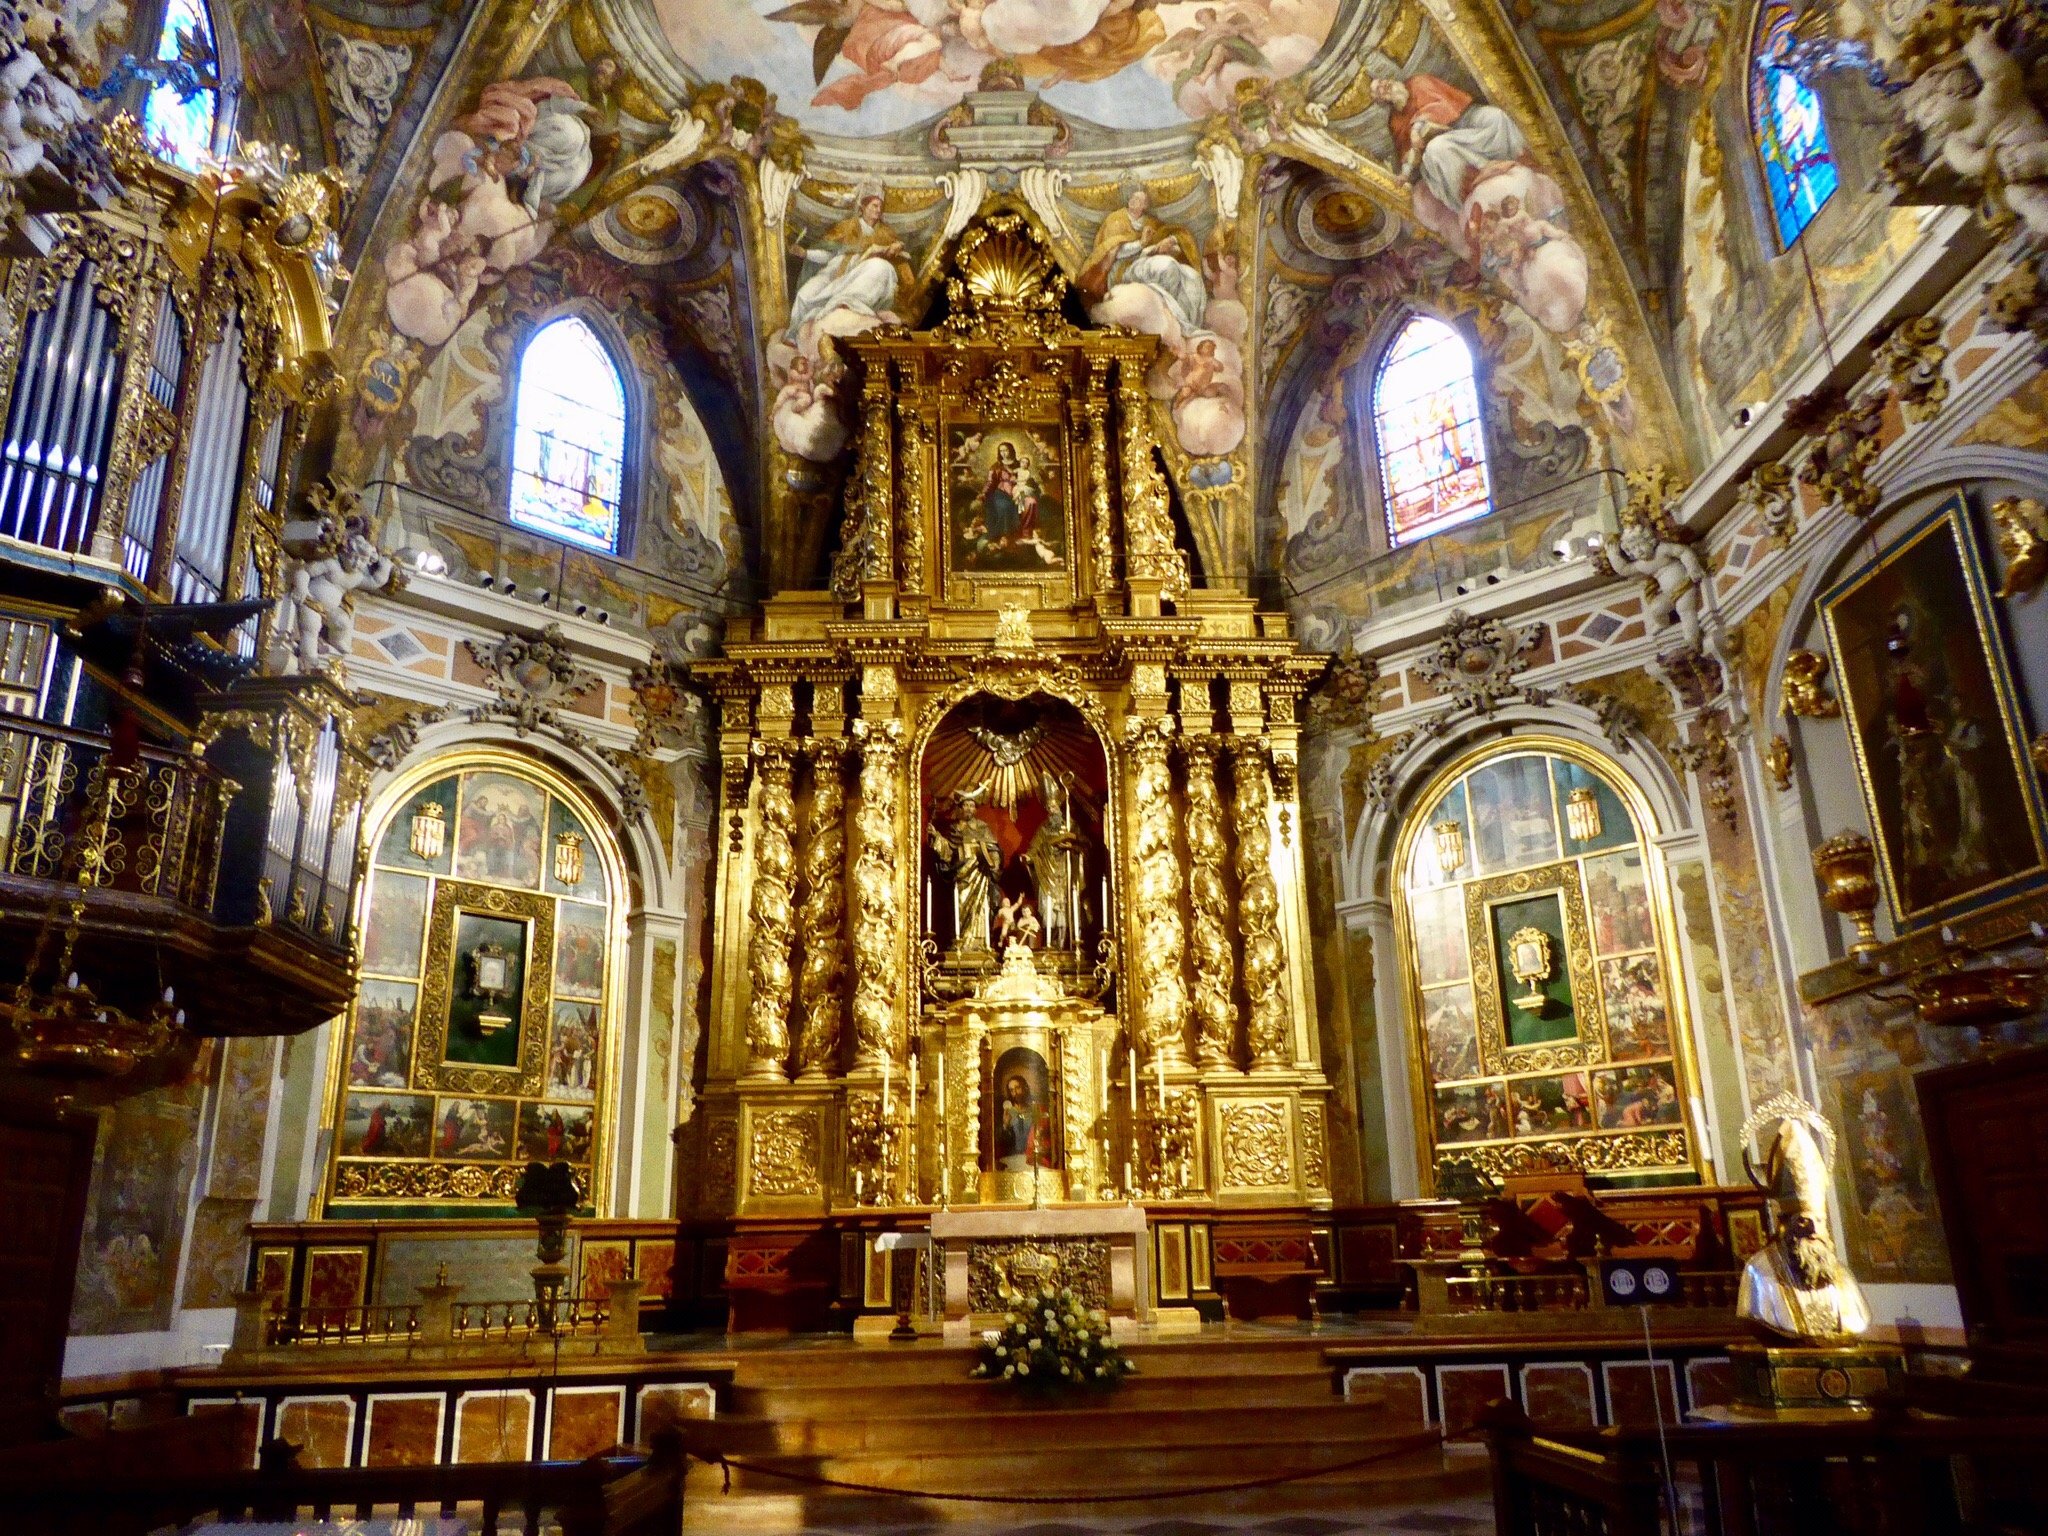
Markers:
point(1425, 418)
point(569, 437)
point(1791, 134)
point(180, 114)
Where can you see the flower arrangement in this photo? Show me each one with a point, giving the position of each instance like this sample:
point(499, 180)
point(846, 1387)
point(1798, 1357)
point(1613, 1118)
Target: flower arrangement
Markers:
point(1050, 1342)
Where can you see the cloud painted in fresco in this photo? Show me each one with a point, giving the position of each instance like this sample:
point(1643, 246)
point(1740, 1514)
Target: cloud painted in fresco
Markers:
point(1104, 61)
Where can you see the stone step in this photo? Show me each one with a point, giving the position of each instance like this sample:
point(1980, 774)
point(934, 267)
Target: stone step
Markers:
point(752, 1505)
point(917, 1363)
point(958, 1392)
point(998, 1466)
point(712, 1513)
point(1115, 1423)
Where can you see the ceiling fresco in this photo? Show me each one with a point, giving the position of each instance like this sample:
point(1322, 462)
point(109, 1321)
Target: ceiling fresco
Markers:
point(859, 68)
point(1262, 185)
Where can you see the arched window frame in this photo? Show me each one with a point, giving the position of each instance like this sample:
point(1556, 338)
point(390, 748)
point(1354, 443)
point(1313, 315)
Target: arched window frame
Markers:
point(1367, 415)
point(1762, 122)
point(631, 455)
point(606, 866)
point(156, 43)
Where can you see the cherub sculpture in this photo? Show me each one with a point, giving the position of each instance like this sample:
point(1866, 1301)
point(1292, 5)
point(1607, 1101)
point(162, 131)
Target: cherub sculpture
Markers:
point(338, 558)
point(1677, 594)
point(1796, 1285)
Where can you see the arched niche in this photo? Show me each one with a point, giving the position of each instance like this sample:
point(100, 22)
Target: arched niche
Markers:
point(484, 1034)
point(1014, 808)
point(1546, 1015)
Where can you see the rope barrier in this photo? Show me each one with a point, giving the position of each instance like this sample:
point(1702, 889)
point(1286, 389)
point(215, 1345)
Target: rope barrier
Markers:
point(1401, 1447)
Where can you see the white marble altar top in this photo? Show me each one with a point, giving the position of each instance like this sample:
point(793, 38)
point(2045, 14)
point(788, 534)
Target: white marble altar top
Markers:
point(1040, 1221)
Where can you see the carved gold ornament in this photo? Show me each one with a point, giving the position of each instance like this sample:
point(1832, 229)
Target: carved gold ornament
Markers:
point(1778, 763)
point(1530, 960)
point(1805, 687)
point(1254, 1146)
point(2021, 524)
point(783, 1160)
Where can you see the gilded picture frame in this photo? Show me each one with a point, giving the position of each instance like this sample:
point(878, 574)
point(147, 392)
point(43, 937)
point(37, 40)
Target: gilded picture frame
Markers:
point(526, 1077)
point(1588, 1043)
point(1933, 719)
point(1007, 513)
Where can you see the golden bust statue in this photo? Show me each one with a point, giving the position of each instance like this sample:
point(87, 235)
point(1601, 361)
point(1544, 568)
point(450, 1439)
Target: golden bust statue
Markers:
point(1796, 1285)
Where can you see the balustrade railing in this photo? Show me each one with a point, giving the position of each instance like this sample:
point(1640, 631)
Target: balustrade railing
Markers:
point(439, 1323)
point(314, 1327)
point(1570, 1290)
point(150, 827)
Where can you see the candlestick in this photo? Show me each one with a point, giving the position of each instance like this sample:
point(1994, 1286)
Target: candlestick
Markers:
point(1159, 1062)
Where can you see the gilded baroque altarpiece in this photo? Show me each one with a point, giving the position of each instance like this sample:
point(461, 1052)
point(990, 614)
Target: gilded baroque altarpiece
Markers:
point(1010, 903)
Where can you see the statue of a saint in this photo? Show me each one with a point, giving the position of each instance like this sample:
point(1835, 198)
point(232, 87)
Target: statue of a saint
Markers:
point(965, 847)
point(1796, 1284)
point(1055, 857)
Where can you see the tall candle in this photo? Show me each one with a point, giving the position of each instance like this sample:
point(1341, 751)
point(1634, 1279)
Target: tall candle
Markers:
point(913, 1093)
point(945, 1162)
point(1131, 1081)
point(1159, 1062)
point(885, 1087)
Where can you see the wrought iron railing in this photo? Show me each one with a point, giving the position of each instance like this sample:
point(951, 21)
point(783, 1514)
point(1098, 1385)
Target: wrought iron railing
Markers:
point(150, 827)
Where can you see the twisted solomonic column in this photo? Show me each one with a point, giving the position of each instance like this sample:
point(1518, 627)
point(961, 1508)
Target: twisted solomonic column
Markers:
point(822, 984)
point(771, 930)
point(877, 912)
point(1213, 963)
point(1258, 908)
point(1157, 934)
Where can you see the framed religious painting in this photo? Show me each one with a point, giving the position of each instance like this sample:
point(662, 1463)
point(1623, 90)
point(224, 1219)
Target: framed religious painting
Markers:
point(1941, 755)
point(1007, 507)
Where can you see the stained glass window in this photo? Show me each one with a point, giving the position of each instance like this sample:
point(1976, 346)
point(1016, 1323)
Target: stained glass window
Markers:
point(569, 437)
point(178, 116)
point(1791, 136)
point(1425, 416)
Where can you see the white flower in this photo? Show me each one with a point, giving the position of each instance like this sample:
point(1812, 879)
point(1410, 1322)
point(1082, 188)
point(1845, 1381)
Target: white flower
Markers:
point(1023, 1368)
point(1099, 1370)
point(1009, 1370)
point(1001, 1350)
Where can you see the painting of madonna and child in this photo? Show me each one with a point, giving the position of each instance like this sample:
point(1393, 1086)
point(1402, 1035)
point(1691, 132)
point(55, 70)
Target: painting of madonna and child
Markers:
point(1005, 500)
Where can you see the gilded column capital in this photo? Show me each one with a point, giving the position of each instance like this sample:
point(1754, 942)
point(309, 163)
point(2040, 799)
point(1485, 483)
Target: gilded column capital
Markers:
point(771, 928)
point(1258, 906)
point(1213, 962)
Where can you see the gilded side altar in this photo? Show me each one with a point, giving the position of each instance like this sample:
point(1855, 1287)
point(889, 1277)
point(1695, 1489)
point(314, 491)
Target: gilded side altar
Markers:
point(1010, 905)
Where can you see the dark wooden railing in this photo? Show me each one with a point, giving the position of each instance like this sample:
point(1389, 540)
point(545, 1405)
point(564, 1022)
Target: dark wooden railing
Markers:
point(1896, 1473)
point(131, 1484)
